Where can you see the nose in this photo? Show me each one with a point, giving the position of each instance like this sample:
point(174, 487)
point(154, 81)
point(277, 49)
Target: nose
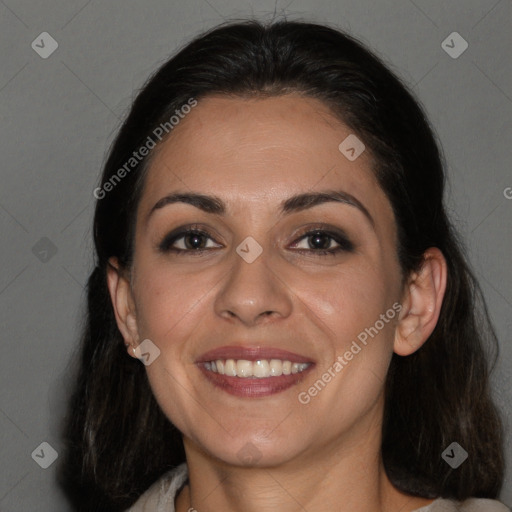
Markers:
point(253, 293)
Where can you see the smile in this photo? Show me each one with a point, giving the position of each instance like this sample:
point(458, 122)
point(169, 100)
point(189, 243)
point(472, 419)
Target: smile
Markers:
point(260, 369)
point(253, 372)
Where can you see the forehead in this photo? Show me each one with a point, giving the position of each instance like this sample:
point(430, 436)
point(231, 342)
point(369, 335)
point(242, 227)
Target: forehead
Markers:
point(260, 151)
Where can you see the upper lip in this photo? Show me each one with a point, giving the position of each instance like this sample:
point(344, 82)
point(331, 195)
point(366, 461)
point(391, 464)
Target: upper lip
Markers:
point(252, 353)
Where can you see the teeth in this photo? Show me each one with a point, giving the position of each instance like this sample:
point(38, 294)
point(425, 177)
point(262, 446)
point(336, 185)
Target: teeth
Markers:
point(243, 368)
point(262, 368)
point(276, 367)
point(229, 368)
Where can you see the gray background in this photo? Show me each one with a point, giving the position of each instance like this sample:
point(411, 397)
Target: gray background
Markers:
point(61, 113)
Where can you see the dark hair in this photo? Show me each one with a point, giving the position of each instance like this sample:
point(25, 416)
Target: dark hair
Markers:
point(118, 439)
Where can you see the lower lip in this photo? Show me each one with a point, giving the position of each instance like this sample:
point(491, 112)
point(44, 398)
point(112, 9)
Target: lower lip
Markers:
point(253, 387)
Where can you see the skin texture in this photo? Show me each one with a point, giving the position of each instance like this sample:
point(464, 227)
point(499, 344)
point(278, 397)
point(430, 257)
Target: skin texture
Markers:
point(254, 154)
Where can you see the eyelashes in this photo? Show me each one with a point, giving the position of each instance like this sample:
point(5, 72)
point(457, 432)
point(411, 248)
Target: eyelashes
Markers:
point(196, 241)
point(320, 236)
point(167, 244)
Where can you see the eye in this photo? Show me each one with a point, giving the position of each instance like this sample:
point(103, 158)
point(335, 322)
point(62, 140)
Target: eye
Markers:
point(190, 240)
point(193, 240)
point(320, 242)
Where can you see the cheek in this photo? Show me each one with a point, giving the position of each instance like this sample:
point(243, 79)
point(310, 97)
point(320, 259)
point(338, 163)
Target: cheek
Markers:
point(348, 308)
point(348, 300)
point(167, 300)
point(170, 308)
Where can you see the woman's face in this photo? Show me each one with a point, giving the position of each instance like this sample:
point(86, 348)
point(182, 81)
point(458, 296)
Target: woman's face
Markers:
point(263, 288)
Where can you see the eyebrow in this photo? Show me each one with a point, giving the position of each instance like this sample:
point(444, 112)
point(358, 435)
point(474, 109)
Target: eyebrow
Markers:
point(216, 206)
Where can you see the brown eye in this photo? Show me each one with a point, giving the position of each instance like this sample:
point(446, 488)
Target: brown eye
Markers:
point(189, 240)
point(321, 242)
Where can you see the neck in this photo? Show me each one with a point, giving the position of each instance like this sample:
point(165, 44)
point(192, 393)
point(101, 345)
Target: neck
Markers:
point(346, 477)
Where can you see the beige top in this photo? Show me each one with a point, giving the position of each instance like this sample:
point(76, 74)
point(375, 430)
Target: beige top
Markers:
point(161, 495)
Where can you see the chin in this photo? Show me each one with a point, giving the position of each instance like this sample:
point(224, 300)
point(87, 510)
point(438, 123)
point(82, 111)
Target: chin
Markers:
point(254, 449)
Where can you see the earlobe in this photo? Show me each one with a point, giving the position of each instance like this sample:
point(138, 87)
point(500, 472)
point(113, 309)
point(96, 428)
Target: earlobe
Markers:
point(423, 298)
point(122, 301)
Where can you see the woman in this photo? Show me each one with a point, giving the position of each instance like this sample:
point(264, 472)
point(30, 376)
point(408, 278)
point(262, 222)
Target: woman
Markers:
point(272, 245)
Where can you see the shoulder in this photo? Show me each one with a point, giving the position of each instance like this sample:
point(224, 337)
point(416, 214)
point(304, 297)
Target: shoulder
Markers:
point(481, 505)
point(470, 505)
point(162, 492)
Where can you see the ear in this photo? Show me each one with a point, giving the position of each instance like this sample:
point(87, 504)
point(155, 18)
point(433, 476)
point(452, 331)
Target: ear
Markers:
point(124, 306)
point(421, 303)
